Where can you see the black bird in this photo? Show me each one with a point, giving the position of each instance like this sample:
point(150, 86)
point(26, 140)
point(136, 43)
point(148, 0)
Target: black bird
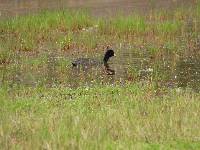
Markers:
point(87, 62)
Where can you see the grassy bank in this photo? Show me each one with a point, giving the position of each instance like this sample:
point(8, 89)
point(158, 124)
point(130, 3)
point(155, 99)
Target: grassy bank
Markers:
point(69, 30)
point(102, 117)
point(137, 114)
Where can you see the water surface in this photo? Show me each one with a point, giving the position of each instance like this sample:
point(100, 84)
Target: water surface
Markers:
point(97, 7)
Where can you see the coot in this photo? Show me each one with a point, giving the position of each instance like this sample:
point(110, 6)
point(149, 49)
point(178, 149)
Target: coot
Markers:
point(89, 62)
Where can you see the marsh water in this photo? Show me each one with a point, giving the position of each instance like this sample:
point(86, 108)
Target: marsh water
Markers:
point(54, 69)
point(169, 71)
point(97, 7)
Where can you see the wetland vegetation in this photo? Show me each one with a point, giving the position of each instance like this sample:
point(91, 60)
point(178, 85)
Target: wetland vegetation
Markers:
point(152, 101)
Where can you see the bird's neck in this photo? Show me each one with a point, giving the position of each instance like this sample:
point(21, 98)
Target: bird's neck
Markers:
point(105, 60)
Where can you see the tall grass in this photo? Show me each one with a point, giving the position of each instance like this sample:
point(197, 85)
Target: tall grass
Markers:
point(124, 25)
point(100, 117)
point(32, 31)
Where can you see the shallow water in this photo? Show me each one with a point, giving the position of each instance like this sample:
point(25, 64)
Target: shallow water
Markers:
point(54, 69)
point(97, 7)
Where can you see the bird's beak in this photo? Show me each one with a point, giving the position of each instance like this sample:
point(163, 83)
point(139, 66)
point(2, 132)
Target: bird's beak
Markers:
point(115, 55)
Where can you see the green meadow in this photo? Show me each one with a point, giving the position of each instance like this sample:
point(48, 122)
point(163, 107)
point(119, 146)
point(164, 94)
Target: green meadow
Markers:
point(101, 117)
point(134, 115)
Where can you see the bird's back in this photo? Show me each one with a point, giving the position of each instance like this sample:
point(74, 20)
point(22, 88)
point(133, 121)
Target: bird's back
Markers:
point(84, 62)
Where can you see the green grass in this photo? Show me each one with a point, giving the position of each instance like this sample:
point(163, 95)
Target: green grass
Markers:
point(124, 25)
point(103, 117)
point(65, 29)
